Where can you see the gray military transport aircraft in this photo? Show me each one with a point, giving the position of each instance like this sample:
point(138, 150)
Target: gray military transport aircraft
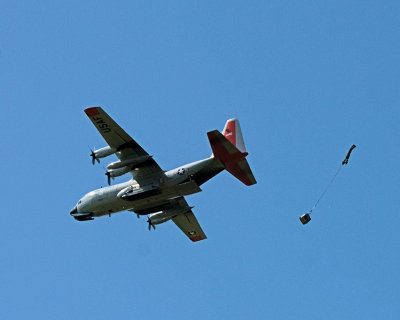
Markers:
point(153, 191)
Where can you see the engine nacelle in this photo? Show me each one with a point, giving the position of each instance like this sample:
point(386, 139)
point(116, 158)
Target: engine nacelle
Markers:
point(104, 152)
point(163, 216)
point(118, 172)
point(128, 162)
point(158, 220)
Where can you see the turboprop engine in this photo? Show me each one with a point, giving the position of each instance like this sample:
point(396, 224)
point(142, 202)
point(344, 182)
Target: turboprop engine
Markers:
point(128, 162)
point(163, 216)
point(117, 172)
point(120, 167)
point(102, 153)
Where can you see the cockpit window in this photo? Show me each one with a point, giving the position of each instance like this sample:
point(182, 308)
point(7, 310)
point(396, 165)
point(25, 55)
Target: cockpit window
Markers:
point(79, 202)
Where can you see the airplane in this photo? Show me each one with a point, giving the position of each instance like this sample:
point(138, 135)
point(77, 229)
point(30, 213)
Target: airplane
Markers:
point(152, 191)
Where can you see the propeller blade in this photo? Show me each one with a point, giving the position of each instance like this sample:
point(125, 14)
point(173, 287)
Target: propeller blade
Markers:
point(108, 177)
point(93, 155)
point(151, 225)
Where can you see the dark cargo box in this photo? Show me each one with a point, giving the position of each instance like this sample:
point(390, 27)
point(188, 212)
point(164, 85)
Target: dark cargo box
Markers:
point(305, 218)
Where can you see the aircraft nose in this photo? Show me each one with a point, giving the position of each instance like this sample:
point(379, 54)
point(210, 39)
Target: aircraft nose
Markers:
point(74, 210)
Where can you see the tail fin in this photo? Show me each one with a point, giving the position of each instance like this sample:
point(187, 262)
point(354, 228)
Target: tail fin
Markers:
point(230, 150)
point(233, 133)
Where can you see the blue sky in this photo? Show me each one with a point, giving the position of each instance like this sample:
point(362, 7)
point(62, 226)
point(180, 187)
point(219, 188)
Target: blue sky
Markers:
point(306, 79)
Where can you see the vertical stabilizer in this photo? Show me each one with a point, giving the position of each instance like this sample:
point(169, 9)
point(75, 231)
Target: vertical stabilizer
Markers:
point(233, 133)
point(229, 148)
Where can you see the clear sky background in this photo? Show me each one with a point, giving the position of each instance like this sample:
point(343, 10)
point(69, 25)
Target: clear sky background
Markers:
point(307, 79)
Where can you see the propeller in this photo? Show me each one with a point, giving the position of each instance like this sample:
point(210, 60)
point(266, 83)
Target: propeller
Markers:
point(93, 155)
point(108, 174)
point(150, 224)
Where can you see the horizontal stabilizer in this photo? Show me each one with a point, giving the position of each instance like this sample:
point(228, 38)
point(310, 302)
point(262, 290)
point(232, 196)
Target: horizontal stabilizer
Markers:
point(233, 159)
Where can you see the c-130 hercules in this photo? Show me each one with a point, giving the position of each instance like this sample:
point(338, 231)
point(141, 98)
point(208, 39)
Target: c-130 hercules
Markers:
point(153, 191)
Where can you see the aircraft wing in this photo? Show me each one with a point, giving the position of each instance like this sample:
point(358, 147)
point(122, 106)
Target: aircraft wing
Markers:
point(190, 226)
point(117, 138)
point(188, 223)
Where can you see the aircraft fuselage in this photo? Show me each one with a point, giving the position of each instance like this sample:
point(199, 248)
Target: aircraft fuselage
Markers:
point(134, 197)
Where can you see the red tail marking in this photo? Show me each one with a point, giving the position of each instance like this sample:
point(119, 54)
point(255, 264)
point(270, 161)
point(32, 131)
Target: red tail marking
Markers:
point(196, 238)
point(230, 132)
point(230, 160)
point(92, 111)
point(221, 153)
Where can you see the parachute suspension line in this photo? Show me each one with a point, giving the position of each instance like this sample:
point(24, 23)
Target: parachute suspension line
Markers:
point(305, 218)
point(326, 189)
